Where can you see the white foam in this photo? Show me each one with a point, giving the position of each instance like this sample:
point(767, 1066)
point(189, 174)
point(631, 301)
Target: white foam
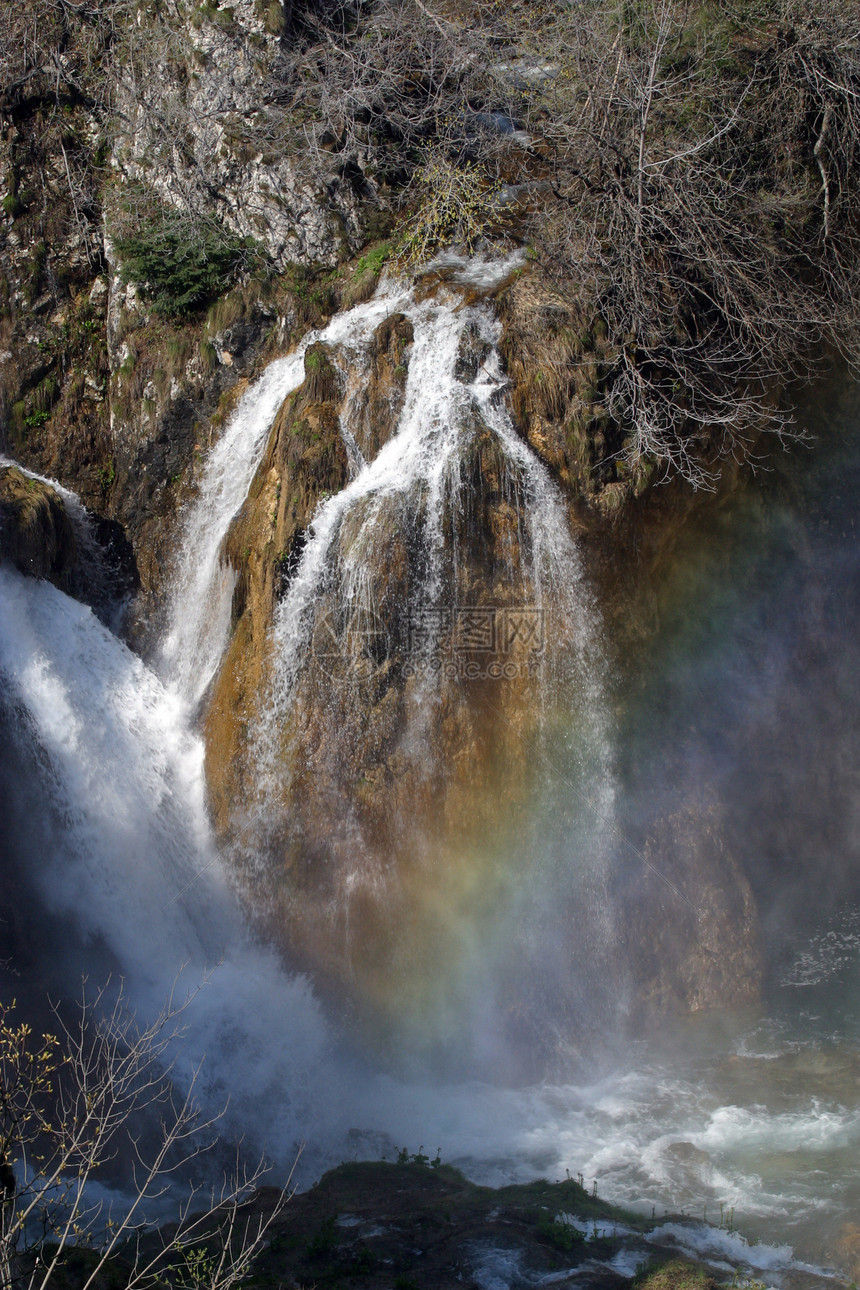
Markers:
point(815, 1128)
point(135, 864)
point(729, 1249)
point(138, 867)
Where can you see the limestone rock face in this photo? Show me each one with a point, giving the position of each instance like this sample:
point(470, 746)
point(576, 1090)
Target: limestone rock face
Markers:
point(378, 401)
point(36, 534)
point(305, 458)
point(96, 390)
point(208, 83)
point(394, 761)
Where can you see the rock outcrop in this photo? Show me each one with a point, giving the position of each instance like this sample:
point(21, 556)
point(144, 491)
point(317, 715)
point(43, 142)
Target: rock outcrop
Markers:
point(392, 765)
point(418, 1225)
point(209, 83)
point(36, 534)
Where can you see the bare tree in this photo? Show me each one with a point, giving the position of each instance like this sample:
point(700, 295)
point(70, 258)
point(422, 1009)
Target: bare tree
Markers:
point(680, 220)
point(686, 172)
point(717, 252)
point(70, 1104)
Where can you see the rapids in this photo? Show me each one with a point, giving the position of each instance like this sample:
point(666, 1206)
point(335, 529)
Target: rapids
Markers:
point(111, 862)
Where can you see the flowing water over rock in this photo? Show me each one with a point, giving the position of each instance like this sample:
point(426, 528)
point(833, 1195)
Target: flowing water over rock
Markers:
point(389, 688)
point(203, 585)
point(436, 836)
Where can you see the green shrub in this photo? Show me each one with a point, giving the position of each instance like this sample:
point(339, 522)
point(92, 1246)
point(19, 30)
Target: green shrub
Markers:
point(13, 205)
point(373, 260)
point(35, 419)
point(562, 1234)
point(181, 266)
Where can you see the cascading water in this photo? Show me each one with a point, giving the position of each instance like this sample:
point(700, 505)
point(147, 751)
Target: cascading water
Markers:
point(345, 635)
point(126, 858)
point(98, 577)
point(105, 810)
point(203, 584)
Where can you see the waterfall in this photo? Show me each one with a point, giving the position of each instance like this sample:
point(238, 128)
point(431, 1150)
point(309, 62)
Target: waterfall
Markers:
point(339, 625)
point(203, 583)
point(125, 776)
point(123, 856)
point(137, 851)
point(109, 816)
point(421, 461)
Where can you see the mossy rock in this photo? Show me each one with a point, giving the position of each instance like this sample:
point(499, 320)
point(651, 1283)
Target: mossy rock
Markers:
point(36, 533)
point(421, 1222)
point(321, 377)
point(675, 1275)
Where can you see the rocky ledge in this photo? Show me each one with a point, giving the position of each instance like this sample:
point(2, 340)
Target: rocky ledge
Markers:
point(36, 534)
point(418, 1224)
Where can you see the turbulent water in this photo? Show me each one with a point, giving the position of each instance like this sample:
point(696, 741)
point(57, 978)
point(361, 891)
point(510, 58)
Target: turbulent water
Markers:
point(106, 834)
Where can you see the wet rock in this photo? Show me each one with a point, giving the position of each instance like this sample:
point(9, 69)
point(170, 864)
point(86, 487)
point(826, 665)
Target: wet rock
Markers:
point(36, 534)
point(305, 460)
point(473, 352)
point(691, 918)
point(414, 1225)
point(379, 400)
point(401, 778)
point(849, 1248)
point(382, 787)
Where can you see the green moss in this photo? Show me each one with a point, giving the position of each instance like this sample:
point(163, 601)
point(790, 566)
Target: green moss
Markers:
point(36, 271)
point(107, 474)
point(45, 396)
point(321, 381)
point(272, 13)
point(373, 260)
point(13, 205)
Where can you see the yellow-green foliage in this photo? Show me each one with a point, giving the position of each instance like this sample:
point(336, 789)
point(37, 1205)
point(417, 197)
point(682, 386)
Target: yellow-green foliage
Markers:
point(457, 205)
point(675, 1275)
point(28, 1069)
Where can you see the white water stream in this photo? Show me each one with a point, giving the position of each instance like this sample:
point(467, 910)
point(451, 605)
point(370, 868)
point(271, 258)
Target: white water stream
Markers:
point(135, 867)
point(199, 614)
